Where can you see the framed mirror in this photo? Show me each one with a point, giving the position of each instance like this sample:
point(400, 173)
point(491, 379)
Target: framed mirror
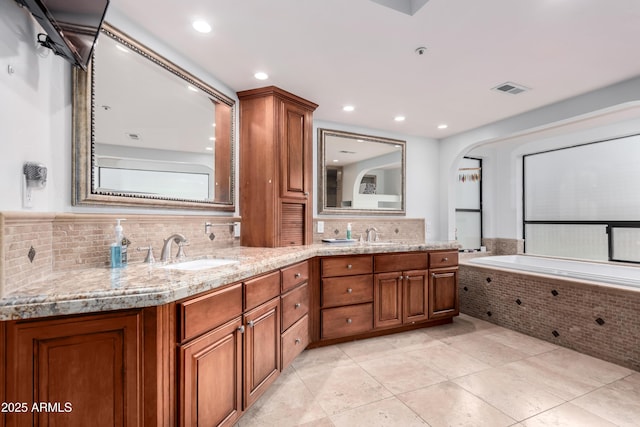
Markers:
point(360, 174)
point(148, 133)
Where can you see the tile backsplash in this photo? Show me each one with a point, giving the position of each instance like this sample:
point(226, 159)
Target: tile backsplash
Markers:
point(74, 241)
point(389, 229)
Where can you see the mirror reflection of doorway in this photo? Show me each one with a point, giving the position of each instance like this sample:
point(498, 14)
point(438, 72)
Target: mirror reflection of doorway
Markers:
point(333, 187)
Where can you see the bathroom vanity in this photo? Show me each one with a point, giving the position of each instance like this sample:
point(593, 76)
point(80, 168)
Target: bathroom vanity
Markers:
point(156, 346)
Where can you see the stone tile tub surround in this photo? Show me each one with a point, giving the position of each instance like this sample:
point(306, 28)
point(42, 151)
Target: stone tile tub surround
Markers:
point(64, 242)
point(598, 320)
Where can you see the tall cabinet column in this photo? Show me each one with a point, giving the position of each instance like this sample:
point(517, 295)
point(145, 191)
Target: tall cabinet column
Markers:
point(275, 168)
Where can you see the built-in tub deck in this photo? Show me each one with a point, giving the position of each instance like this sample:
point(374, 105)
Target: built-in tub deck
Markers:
point(614, 274)
point(590, 307)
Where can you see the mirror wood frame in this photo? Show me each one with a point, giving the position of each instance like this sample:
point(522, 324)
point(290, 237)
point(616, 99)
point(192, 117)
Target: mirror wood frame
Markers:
point(83, 139)
point(322, 173)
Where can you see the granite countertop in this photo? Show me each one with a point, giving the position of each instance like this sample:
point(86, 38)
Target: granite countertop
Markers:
point(143, 285)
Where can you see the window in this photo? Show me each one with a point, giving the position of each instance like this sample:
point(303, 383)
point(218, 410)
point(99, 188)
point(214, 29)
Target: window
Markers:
point(584, 201)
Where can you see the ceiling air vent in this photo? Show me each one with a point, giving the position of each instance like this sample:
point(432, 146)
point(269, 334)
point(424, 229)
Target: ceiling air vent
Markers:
point(511, 88)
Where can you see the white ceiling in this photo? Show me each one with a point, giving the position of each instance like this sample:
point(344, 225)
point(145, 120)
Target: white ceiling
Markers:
point(358, 52)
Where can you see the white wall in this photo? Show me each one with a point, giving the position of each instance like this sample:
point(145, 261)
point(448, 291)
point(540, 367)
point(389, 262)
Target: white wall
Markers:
point(422, 172)
point(35, 110)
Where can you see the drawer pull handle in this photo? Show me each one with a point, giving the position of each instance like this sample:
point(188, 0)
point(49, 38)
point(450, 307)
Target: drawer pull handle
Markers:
point(349, 320)
point(297, 275)
point(349, 290)
point(297, 305)
point(298, 341)
point(250, 323)
point(349, 266)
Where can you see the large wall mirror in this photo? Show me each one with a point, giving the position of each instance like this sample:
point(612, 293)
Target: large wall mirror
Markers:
point(148, 133)
point(360, 174)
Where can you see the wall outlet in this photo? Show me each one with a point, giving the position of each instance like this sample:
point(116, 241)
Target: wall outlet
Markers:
point(320, 226)
point(236, 229)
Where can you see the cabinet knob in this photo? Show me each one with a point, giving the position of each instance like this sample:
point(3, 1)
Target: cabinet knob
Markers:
point(349, 320)
point(349, 290)
point(250, 323)
point(298, 341)
point(306, 193)
point(401, 277)
point(349, 266)
point(297, 275)
point(241, 329)
point(445, 259)
point(297, 305)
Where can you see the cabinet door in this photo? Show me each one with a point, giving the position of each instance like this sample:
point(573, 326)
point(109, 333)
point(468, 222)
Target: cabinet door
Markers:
point(387, 300)
point(443, 291)
point(416, 296)
point(211, 377)
point(87, 369)
point(295, 151)
point(262, 349)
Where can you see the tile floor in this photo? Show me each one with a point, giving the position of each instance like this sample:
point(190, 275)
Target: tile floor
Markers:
point(468, 373)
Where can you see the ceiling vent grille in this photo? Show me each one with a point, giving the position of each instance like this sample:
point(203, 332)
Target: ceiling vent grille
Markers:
point(510, 87)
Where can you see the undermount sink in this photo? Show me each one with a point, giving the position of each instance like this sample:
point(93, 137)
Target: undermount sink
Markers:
point(200, 264)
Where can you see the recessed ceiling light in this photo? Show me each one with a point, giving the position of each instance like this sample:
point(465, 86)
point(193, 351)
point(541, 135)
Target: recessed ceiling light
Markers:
point(399, 118)
point(443, 126)
point(213, 138)
point(261, 76)
point(201, 26)
point(192, 89)
point(348, 108)
point(208, 148)
point(336, 160)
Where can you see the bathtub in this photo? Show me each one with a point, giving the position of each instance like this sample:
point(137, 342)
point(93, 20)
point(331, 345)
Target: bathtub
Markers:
point(615, 274)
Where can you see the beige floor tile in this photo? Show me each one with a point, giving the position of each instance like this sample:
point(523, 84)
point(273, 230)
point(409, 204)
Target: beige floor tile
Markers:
point(368, 349)
point(384, 413)
point(323, 422)
point(448, 361)
point(618, 402)
point(447, 404)
point(513, 395)
point(567, 415)
point(521, 342)
point(410, 340)
point(287, 402)
point(462, 325)
point(402, 372)
point(344, 387)
point(487, 350)
point(323, 358)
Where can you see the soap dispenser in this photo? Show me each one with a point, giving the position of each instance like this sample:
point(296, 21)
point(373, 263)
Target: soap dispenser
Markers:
point(348, 231)
point(116, 247)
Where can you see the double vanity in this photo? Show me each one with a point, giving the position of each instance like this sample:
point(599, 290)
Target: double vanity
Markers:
point(195, 344)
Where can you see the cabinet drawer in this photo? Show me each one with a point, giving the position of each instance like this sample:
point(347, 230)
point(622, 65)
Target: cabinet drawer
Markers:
point(201, 314)
point(295, 340)
point(443, 259)
point(261, 289)
point(294, 305)
point(347, 290)
point(346, 321)
point(346, 266)
point(400, 262)
point(294, 275)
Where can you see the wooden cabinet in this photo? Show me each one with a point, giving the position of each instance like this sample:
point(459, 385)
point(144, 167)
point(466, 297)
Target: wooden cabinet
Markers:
point(346, 296)
point(88, 368)
point(443, 285)
point(275, 168)
point(401, 289)
point(261, 349)
point(210, 358)
point(210, 373)
point(295, 308)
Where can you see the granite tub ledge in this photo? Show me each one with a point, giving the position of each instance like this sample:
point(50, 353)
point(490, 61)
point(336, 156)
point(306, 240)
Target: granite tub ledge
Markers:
point(94, 290)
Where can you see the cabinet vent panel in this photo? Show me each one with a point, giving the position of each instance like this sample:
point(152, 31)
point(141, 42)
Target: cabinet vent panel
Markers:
point(292, 224)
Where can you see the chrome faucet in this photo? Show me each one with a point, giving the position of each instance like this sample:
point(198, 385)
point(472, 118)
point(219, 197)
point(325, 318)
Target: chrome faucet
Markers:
point(372, 234)
point(166, 247)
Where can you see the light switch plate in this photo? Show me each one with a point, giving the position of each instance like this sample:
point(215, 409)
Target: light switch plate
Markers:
point(320, 226)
